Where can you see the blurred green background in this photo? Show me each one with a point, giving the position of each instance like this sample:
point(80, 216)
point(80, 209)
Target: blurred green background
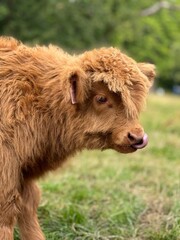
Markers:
point(146, 30)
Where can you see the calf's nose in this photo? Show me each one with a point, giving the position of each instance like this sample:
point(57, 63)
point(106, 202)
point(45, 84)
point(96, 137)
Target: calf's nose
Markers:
point(138, 141)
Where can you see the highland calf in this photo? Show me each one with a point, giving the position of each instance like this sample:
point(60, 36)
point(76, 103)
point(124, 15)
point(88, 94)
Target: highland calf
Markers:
point(52, 105)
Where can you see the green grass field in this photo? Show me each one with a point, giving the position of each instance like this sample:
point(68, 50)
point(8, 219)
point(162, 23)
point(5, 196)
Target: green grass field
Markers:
point(110, 196)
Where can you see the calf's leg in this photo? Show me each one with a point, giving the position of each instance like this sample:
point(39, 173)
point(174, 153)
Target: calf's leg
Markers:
point(10, 200)
point(27, 220)
point(8, 213)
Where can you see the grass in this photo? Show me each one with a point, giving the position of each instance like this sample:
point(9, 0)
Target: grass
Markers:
point(111, 196)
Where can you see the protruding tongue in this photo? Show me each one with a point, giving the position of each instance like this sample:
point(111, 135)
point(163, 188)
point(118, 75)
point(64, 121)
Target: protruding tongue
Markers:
point(143, 143)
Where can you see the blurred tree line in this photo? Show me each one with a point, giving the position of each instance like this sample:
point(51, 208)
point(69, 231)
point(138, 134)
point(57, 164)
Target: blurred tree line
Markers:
point(146, 30)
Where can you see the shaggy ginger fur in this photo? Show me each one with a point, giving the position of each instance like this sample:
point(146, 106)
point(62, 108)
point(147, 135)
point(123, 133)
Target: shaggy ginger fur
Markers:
point(52, 105)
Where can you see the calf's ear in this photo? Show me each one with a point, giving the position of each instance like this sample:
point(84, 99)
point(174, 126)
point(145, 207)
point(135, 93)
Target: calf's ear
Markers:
point(148, 70)
point(78, 86)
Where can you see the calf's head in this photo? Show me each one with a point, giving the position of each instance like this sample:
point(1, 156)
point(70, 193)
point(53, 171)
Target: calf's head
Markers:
point(108, 90)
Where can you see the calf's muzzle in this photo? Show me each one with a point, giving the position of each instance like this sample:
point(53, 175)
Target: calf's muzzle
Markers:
point(138, 141)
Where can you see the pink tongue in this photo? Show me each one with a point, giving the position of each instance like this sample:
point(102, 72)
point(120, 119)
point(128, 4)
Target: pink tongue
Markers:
point(142, 144)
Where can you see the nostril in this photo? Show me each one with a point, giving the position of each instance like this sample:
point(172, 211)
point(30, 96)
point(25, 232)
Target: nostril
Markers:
point(141, 143)
point(135, 139)
point(131, 137)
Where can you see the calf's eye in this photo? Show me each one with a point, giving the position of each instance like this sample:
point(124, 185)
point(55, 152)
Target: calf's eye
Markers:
point(101, 99)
